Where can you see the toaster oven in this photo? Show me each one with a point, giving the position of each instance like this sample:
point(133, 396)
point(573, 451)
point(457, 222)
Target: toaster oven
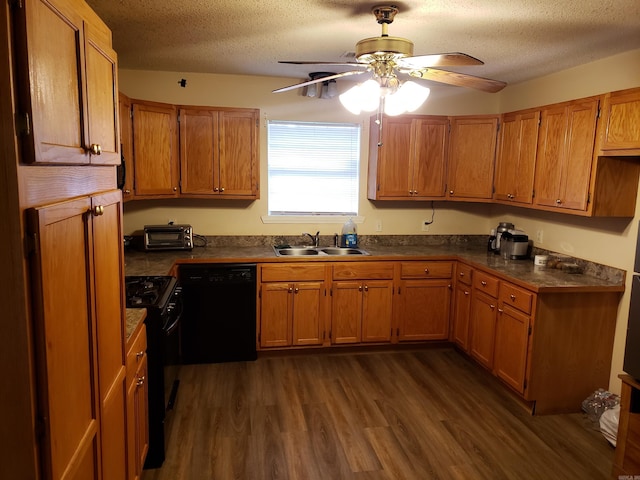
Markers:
point(168, 237)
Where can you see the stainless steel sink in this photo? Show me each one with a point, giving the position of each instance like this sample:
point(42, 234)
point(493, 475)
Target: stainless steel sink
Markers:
point(343, 251)
point(300, 251)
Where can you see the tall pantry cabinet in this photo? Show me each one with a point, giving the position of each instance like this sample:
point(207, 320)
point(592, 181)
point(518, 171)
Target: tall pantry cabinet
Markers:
point(63, 333)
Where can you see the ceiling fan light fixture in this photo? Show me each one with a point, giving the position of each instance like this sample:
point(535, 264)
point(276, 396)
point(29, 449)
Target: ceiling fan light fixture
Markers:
point(408, 98)
point(364, 97)
point(329, 89)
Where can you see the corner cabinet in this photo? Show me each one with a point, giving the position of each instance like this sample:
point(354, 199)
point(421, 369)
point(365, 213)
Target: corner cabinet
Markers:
point(155, 150)
point(472, 155)
point(409, 160)
point(79, 335)
point(565, 152)
point(219, 152)
point(73, 78)
point(423, 301)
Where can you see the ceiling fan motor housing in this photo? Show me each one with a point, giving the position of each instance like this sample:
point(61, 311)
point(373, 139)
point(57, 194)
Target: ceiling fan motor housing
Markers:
point(370, 48)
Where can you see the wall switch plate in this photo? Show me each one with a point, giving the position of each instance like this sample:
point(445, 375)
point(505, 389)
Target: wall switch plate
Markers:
point(378, 225)
point(425, 225)
point(538, 236)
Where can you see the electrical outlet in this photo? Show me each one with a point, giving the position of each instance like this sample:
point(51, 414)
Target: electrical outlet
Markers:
point(378, 225)
point(425, 225)
point(538, 236)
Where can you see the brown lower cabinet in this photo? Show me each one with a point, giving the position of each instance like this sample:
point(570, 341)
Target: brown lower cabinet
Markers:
point(552, 346)
point(361, 302)
point(137, 404)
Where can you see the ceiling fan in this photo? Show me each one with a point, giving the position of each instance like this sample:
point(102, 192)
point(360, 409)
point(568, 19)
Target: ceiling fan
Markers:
point(386, 57)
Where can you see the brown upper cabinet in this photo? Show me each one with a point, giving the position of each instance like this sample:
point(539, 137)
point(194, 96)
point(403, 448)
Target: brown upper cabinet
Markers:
point(472, 153)
point(72, 78)
point(620, 123)
point(126, 146)
point(409, 160)
point(218, 152)
point(565, 151)
point(516, 161)
point(155, 150)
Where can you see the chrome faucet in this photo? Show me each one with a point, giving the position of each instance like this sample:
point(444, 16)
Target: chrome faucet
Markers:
point(314, 238)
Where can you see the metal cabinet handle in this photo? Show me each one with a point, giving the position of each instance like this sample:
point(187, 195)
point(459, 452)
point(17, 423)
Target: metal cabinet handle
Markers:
point(139, 355)
point(221, 189)
point(466, 292)
point(500, 310)
point(140, 381)
point(290, 289)
point(95, 149)
point(483, 283)
point(492, 306)
point(461, 274)
point(558, 201)
point(98, 210)
point(216, 189)
point(512, 297)
point(426, 270)
point(359, 288)
point(296, 290)
point(366, 288)
point(127, 192)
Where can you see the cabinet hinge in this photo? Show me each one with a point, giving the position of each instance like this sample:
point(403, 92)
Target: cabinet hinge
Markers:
point(499, 125)
point(257, 187)
point(529, 330)
point(524, 384)
point(330, 332)
point(398, 290)
point(533, 194)
point(323, 335)
point(331, 292)
point(23, 123)
point(16, 4)
point(260, 337)
point(178, 118)
point(260, 292)
point(588, 198)
point(598, 114)
point(40, 427)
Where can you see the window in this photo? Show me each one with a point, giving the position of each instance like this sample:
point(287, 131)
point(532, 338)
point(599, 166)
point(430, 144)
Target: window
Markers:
point(313, 168)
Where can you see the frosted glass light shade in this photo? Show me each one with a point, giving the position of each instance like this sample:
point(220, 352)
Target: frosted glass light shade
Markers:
point(364, 97)
point(407, 98)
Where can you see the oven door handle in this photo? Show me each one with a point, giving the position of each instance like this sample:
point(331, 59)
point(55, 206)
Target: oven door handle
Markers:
point(179, 309)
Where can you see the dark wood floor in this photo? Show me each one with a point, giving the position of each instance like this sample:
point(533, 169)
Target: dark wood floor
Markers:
point(426, 414)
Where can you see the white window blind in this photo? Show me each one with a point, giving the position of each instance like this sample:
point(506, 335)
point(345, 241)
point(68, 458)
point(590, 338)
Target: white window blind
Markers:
point(313, 168)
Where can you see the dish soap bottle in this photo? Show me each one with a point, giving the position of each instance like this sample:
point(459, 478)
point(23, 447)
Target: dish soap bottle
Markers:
point(349, 235)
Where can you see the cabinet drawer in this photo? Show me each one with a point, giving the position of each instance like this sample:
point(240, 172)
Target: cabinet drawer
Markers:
point(486, 283)
point(292, 272)
point(516, 297)
point(352, 271)
point(426, 269)
point(464, 273)
point(137, 349)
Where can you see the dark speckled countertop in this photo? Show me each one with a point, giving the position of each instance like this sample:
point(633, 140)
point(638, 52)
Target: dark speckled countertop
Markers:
point(470, 249)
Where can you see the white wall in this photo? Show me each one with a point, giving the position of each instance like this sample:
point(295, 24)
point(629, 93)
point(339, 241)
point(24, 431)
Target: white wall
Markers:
point(607, 241)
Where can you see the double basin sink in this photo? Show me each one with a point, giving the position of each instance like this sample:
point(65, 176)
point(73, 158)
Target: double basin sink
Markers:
point(300, 251)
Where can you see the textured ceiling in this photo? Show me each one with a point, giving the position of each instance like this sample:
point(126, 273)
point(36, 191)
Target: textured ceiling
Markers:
point(517, 39)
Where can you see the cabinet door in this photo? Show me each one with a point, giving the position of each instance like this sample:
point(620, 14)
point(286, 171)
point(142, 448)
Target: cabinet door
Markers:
point(512, 341)
point(238, 159)
point(393, 159)
point(308, 320)
point(517, 157)
point(126, 145)
point(346, 312)
point(65, 339)
point(430, 141)
point(483, 328)
point(198, 151)
point(472, 157)
point(275, 315)
point(108, 278)
point(461, 313)
point(102, 100)
point(423, 310)
point(621, 121)
point(574, 189)
point(377, 298)
point(55, 85)
point(155, 149)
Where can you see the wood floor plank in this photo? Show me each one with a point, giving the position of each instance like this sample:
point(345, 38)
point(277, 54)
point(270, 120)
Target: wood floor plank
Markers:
point(420, 414)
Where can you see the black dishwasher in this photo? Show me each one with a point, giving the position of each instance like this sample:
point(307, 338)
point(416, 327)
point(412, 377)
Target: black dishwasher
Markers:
point(219, 318)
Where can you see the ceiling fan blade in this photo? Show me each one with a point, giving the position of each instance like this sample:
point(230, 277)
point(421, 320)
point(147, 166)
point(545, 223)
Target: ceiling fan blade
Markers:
point(458, 79)
point(347, 64)
point(316, 80)
point(454, 59)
